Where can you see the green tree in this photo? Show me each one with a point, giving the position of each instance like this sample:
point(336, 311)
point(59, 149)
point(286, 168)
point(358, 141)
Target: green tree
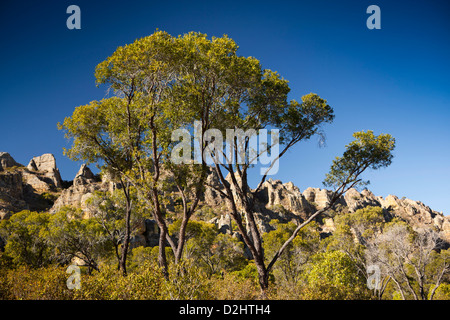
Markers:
point(208, 249)
point(335, 276)
point(75, 237)
point(294, 260)
point(353, 233)
point(131, 132)
point(108, 211)
point(366, 151)
point(103, 133)
point(24, 234)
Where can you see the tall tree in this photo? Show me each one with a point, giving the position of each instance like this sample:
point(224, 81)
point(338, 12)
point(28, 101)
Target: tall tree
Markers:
point(366, 151)
point(100, 135)
point(129, 133)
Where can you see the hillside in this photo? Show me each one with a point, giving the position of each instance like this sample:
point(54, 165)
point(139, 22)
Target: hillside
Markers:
point(38, 187)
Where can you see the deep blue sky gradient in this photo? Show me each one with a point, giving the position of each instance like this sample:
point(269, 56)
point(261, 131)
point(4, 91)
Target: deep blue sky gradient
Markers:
point(394, 80)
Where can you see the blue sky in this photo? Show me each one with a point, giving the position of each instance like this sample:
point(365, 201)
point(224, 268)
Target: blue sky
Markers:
point(393, 80)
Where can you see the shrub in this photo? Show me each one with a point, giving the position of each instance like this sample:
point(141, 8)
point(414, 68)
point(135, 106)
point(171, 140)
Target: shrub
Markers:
point(25, 283)
point(234, 287)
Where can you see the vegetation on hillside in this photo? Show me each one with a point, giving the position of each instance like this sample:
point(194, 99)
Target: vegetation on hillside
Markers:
point(162, 88)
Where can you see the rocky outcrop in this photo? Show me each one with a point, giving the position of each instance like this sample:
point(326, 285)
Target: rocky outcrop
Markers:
point(84, 176)
point(46, 166)
point(284, 197)
point(417, 214)
point(285, 202)
point(6, 161)
point(355, 200)
point(21, 188)
point(83, 187)
point(11, 194)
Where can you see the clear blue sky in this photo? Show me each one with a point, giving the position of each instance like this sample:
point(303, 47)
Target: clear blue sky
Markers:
point(394, 80)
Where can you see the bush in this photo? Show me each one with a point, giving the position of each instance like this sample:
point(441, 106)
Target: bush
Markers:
point(187, 282)
point(234, 287)
point(25, 283)
point(334, 276)
point(108, 284)
point(442, 292)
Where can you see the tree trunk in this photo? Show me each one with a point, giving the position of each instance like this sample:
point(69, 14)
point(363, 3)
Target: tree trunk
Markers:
point(126, 241)
point(162, 259)
point(181, 239)
point(263, 275)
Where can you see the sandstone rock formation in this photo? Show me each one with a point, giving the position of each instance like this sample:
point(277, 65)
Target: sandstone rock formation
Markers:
point(6, 161)
point(83, 187)
point(46, 165)
point(285, 202)
point(21, 188)
point(278, 196)
point(11, 194)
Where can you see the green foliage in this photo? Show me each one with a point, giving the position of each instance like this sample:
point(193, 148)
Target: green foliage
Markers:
point(334, 276)
point(72, 236)
point(143, 284)
point(34, 284)
point(24, 234)
point(366, 151)
point(248, 272)
point(236, 286)
point(292, 262)
point(210, 250)
point(443, 292)
point(49, 198)
point(186, 282)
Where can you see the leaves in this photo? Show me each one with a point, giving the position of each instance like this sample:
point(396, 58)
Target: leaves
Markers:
point(367, 151)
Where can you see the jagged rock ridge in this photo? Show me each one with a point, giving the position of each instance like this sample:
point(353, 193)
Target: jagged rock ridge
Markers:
point(21, 188)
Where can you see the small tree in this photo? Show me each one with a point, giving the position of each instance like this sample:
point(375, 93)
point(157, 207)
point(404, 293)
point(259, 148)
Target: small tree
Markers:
point(410, 259)
point(25, 241)
point(103, 133)
point(298, 253)
point(75, 237)
point(108, 211)
point(335, 276)
point(354, 232)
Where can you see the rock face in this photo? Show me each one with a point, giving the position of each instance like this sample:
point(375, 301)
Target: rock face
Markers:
point(46, 165)
point(84, 185)
point(6, 161)
point(22, 187)
point(317, 197)
point(285, 202)
point(11, 194)
point(284, 197)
